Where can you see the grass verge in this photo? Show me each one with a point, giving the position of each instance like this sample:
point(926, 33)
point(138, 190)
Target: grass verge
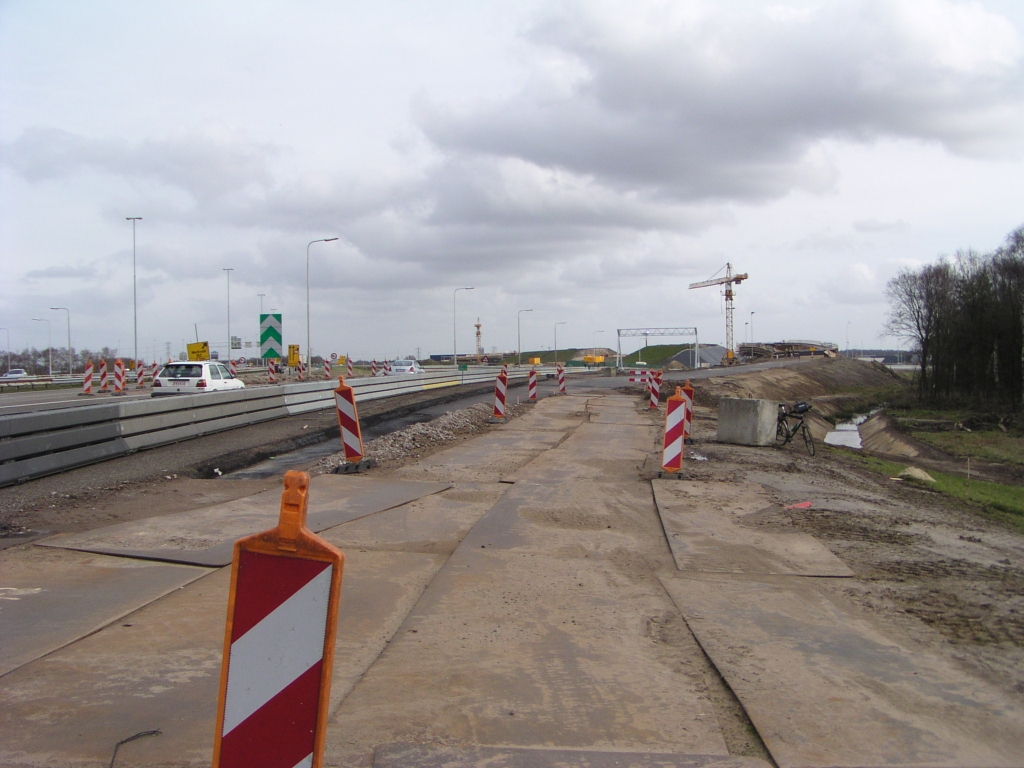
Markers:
point(995, 501)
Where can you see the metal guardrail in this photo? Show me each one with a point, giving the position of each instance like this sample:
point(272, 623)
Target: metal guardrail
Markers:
point(36, 444)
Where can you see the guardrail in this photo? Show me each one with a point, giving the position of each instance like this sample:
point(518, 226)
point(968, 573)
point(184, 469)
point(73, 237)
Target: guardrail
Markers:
point(36, 444)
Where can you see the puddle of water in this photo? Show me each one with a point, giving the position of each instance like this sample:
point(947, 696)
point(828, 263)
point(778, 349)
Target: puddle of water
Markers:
point(847, 434)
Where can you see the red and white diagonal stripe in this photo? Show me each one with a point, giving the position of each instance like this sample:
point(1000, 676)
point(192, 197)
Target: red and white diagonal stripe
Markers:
point(672, 454)
point(687, 419)
point(500, 392)
point(533, 384)
point(348, 362)
point(640, 376)
point(351, 435)
point(561, 380)
point(275, 663)
point(654, 385)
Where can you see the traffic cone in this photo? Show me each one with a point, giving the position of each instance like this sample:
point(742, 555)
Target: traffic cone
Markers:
point(675, 416)
point(351, 433)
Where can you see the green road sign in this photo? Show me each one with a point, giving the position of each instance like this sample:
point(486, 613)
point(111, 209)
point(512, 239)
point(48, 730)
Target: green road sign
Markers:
point(271, 345)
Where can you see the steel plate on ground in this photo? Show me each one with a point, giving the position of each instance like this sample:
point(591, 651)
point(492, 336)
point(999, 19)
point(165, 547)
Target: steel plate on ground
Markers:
point(207, 536)
point(710, 537)
point(419, 756)
point(825, 687)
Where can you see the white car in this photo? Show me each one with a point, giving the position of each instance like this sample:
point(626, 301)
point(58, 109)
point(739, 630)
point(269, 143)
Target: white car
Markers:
point(193, 378)
point(14, 373)
point(405, 366)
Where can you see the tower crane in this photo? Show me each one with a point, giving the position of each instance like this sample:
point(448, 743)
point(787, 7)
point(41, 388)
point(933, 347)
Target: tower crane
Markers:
point(727, 281)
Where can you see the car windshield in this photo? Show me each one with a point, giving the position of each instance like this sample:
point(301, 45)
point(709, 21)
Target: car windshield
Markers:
point(183, 372)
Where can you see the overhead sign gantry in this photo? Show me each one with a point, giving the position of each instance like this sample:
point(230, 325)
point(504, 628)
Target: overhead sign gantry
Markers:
point(646, 332)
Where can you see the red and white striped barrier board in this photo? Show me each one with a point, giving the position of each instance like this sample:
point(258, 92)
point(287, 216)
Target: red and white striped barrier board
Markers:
point(561, 380)
point(87, 379)
point(348, 420)
point(272, 372)
point(675, 415)
point(387, 367)
point(655, 388)
point(154, 371)
point(532, 386)
point(688, 419)
point(104, 381)
point(232, 367)
point(327, 369)
point(279, 643)
point(500, 393)
point(348, 366)
point(638, 376)
point(119, 377)
point(373, 367)
point(140, 374)
point(301, 370)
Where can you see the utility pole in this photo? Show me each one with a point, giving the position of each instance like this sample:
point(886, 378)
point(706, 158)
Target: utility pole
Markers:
point(135, 293)
point(228, 271)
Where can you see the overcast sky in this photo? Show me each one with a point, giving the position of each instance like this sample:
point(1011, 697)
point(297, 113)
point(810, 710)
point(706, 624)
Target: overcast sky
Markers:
point(585, 160)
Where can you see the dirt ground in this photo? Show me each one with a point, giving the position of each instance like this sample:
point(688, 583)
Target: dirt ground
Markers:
point(928, 565)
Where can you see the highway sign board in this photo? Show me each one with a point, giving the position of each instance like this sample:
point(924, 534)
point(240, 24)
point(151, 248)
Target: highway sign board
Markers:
point(293, 355)
point(271, 344)
point(199, 351)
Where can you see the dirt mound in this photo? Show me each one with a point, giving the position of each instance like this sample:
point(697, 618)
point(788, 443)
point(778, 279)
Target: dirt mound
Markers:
point(835, 385)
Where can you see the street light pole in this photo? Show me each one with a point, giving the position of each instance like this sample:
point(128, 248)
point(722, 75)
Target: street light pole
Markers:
point(49, 343)
point(135, 294)
point(261, 295)
point(71, 354)
point(751, 327)
point(562, 322)
point(519, 335)
point(227, 272)
point(8, 348)
point(309, 358)
point(455, 327)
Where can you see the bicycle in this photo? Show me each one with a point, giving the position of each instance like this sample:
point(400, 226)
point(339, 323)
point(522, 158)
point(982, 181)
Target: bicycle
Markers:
point(786, 431)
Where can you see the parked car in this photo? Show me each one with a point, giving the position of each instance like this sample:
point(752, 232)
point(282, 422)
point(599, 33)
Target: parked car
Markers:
point(193, 378)
point(14, 373)
point(406, 366)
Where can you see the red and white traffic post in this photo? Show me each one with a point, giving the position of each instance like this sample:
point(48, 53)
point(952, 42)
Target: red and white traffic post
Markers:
point(639, 376)
point(140, 374)
point(87, 380)
point(655, 387)
point(301, 370)
point(327, 369)
point(561, 379)
point(500, 395)
point(154, 371)
point(351, 432)
point(687, 392)
point(282, 619)
point(271, 372)
point(119, 377)
point(532, 386)
point(348, 366)
point(373, 367)
point(232, 367)
point(675, 416)
point(104, 380)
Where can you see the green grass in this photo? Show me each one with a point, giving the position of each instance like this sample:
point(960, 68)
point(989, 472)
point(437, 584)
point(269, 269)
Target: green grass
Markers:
point(994, 500)
point(655, 355)
point(990, 445)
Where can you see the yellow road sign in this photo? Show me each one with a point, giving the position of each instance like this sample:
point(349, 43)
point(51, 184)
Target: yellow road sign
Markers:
point(293, 355)
point(199, 351)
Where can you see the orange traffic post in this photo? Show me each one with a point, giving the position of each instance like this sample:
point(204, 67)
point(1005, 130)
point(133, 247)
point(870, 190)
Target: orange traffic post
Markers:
point(87, 381)
point(275, 680)
point(104, 380)
point(351, 432)
point(500, 395)
point(119, 377)
point(672, 452)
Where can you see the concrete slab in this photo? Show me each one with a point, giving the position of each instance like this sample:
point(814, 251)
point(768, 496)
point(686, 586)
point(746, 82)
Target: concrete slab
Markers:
point(160, 667)
point(207, 536)
point(51, 598)
point(745, 421)
point(488, 458)
point(824, 686)
point(717, 541)
point(420, 756)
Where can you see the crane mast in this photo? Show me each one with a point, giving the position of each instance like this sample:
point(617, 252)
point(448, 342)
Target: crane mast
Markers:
point(479, 342)
point(728, 282)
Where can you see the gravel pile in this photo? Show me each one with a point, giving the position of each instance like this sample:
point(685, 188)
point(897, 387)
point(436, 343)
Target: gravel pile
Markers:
point(414, 441)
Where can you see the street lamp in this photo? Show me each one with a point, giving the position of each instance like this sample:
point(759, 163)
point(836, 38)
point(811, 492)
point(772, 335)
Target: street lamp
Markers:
point(49, 344)
point(745, 327)
point(848, 336)
point(309, 360)
point(8, 349)
point(562, 322)
point(519, 335)
point(455, 337)
point(228, 271)
point(71, 355)
point(261, 295)
point(135, 296)
point(751, 327)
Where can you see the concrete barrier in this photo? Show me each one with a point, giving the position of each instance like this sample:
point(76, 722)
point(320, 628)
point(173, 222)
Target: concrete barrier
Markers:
point(744, 421)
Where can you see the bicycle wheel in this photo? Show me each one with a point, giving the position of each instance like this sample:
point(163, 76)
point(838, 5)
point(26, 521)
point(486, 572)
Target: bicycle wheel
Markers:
point(808, 440)
point(782, 434)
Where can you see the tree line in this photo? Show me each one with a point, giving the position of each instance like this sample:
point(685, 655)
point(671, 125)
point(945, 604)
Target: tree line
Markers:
point(37, 361)
point(965, 317)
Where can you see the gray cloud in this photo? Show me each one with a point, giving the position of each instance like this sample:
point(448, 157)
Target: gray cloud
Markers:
point(62, 271)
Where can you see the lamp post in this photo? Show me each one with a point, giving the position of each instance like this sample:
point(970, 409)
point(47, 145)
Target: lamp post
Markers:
point(751, 327)
point(562, 322)
point(519, 335)
point(135, 295)
point(49, 344)
point(745, 327)
point(309, 360)
point(455, 336)
point(227, 271)
point(595, 342)
point(8, 348)
point(261, 295)
point(71, 355)
point(848, 336)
